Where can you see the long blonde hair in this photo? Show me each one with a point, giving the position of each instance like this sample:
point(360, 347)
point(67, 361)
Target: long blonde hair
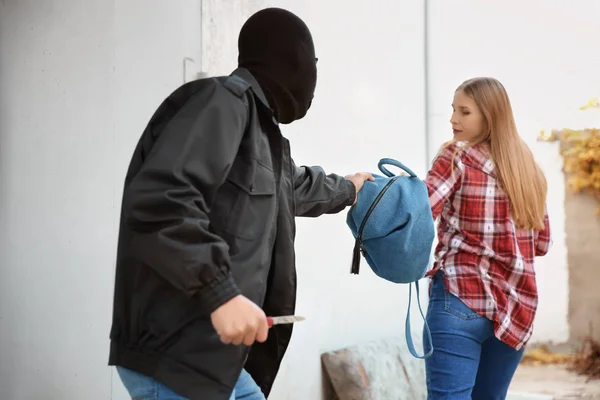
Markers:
point(519, 175)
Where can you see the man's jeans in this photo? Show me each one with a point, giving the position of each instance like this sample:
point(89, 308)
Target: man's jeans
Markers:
point(468, 362)
point(141, 387)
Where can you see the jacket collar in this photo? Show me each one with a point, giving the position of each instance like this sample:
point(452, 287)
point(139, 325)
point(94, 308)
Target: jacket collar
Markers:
point(256, 89)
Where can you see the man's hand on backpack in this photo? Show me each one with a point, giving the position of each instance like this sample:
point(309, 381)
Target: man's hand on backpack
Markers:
point(240, 321)
point(359, 179)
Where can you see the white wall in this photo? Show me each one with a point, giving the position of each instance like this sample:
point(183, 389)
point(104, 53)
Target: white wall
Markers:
point(543, 53)
point(56, 203)
point(369, 104)
point(79, 82)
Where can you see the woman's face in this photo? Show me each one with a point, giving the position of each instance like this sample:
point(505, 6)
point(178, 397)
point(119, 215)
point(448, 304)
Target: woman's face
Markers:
point(467, 120)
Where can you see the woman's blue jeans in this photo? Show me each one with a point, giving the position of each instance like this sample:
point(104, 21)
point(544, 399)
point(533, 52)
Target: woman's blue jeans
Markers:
point(468, 361)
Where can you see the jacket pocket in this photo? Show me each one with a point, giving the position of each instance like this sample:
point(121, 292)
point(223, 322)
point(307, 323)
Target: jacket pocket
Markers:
point(255, 202)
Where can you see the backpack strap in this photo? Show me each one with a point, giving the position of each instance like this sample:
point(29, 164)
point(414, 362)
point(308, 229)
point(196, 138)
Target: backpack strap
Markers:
point(408, 332)
point(395, 163)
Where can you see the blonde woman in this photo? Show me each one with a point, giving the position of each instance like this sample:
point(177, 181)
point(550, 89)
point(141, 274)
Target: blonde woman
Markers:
point(490, 196)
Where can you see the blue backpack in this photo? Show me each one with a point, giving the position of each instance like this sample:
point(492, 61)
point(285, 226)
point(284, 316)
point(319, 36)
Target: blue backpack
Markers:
point(394, 230)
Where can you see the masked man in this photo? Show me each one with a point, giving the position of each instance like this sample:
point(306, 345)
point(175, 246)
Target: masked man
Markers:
point(206, 241)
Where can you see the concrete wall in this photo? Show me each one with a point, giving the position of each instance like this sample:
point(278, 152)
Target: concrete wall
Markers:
point(80, 80)
point(582, 238)
point(542, 52)
point(57, 200)
point(369, 104)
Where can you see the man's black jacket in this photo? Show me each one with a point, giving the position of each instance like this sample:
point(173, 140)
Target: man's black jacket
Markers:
point(208, 212)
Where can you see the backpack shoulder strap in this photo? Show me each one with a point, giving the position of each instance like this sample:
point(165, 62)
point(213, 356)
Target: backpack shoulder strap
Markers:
point(427, 342)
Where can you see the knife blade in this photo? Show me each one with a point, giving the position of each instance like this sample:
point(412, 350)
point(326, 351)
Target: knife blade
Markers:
point(284, 319)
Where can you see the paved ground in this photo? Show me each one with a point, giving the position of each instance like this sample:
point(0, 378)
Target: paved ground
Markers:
point(552, 382)
point(372, 371)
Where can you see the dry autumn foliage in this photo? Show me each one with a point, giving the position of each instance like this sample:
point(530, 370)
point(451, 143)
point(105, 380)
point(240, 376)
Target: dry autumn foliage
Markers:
point(587, 361)
point(581, 155)
point(543, 356)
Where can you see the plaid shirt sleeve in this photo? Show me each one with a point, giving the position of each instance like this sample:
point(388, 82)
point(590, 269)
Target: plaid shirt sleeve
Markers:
point(544, 238)
point(443, 179)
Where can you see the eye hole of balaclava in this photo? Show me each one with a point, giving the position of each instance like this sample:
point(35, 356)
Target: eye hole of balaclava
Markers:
point(277, 48)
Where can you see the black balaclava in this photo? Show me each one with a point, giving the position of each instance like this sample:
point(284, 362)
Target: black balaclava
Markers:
point(277, 48)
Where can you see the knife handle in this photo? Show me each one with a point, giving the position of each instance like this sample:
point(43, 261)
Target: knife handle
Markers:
point(270, 322)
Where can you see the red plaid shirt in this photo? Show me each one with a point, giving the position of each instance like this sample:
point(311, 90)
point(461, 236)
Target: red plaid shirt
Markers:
point(488, 261)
